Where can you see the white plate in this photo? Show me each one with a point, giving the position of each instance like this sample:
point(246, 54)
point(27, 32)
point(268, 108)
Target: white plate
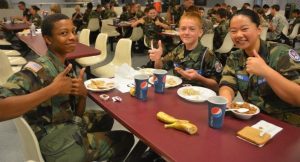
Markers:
point(106, 80)
point(147, 71)
point(204, 93)
point(177, 81)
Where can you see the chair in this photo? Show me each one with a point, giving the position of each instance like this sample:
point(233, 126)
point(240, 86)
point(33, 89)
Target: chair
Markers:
point(207, 40)
point(29, 141)
point(137, 34)
point(264, 33)
point(4, 42)
point(122, 55)
point(101, 44)
point(227, 45)
point(294, 33)
point(93, 24)
point(11, 52)
point(110, 30)
point(5, 68)
point(15, 61)
point(84, 37)
point(285, 30)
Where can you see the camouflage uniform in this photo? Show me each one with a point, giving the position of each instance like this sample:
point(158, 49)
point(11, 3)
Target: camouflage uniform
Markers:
point(207, 26)
point(139, 14)
point(176, 13)
point(278, 22)
point(296, 21)
point(108, 13)
point(95, 14)
point(36, 20)
point(255, 89)
point(59, 110)
point(126, 16)
point(201, 59)
point(220, 33)
point(151, 30)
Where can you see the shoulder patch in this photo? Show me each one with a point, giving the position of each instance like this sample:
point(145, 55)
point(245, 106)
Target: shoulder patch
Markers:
point(218, 66)
point(294, 55)
point(33, 66)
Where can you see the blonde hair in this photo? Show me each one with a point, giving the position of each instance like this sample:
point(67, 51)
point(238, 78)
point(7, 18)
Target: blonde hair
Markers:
point(55, 8)
point(77, 7)
point(192, 15)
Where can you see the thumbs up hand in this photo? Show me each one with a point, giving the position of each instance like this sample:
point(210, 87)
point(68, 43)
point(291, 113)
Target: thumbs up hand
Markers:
point(78, 87)
point(63, 83)
point(256, 65)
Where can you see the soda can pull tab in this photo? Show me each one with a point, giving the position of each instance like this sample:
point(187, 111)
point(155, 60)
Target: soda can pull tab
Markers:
point(116, 99)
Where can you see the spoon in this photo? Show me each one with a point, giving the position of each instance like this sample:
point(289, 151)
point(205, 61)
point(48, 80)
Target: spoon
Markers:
point(240, 110)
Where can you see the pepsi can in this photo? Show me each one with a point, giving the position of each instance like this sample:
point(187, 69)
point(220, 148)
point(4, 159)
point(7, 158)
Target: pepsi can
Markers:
point(216, 111)
point(141, 86)
point(159, 80)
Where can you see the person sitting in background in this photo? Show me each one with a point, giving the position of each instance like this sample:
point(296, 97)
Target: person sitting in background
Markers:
point(296, 16)
point(125, 15)
point(267, 74)
point(55, 8)
point(77, 17)
point(263, 21)
point(51, 97)
point(207, 25)
point(152, 25)
point(26, 13)
point(35, 18)
point(86, 14)
point(139, 12)
point(175, 11)
point(268, 15)
point(222, 29)
point(108, 11)
point(190, 60)
point(277, 24)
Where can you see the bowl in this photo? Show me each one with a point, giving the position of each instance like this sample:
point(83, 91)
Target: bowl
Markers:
point(246, 115)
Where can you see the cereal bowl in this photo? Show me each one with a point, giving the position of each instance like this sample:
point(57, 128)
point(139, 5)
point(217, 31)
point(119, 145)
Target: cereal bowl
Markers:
point(253, 110)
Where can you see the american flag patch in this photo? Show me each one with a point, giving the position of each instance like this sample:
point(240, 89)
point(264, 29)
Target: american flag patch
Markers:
point(33, 66)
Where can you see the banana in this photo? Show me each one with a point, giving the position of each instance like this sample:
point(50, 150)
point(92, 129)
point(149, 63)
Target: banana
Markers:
point(132, 91)
point(183, 126)
point(168, 118)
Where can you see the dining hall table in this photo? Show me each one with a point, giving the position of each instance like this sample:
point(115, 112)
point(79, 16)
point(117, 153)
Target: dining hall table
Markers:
point(207, 145)
point(14, 27)
point(38, 45)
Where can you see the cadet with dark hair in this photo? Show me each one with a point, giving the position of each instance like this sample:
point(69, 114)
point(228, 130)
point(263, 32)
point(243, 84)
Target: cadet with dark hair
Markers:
point(277, 24)
point(222, 29)
point(26, 14)
point(266, 74)
point(52, 99)
point(35, 18)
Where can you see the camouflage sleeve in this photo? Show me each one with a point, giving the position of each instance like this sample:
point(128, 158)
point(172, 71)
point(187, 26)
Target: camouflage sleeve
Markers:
point(213, 67)
point(20, 83)
point(288, 65)
point(228, 75)
point(168, 59)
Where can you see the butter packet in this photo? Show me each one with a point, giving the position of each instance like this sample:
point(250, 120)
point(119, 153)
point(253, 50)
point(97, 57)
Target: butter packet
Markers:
point(260, 133)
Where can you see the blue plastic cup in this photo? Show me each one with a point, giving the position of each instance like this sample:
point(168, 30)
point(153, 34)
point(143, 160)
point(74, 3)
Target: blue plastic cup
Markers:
point(159, 80)
point(216, 111)
point(141, 86)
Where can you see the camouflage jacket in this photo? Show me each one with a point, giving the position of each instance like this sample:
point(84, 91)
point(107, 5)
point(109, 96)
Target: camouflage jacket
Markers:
point(207, 26)
point(176, 12)
point(107, 13)
point(126, 16)
point(34, 76)
point(220, 33)
point(255, 89)
point(151, 30)
point(36, 20)
point(278, 22)
point(95, 14)
point(201, 59)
